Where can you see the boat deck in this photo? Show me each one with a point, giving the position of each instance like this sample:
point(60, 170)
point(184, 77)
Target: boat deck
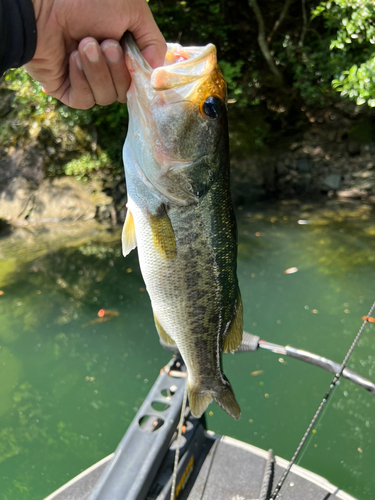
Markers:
point(234, 470)
point(226, 469)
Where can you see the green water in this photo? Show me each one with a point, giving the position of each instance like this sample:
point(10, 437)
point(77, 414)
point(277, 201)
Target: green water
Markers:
point(70, 385)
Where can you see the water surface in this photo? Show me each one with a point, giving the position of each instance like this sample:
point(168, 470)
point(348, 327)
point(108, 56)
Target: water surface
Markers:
point(71, 384)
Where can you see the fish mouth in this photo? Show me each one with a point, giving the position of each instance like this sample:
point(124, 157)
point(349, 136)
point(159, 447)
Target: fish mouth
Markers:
point(183, 71)
point(180, 80)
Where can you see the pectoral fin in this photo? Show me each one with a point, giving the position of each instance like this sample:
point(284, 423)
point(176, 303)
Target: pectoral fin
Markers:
point(163, 234)
point(129, 240)
point(162, 333)
point(233, 338)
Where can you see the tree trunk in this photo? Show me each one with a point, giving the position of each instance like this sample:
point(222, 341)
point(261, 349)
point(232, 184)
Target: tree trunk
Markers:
point(263, 44)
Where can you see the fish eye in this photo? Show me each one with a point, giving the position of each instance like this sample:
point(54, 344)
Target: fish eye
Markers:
point(212, 107)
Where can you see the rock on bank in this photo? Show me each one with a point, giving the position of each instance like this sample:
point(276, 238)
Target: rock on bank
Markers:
point(54, 200)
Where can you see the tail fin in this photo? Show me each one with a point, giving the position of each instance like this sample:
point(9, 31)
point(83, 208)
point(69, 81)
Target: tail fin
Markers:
point(198, 401)
point(224, 397)
point(227, 400)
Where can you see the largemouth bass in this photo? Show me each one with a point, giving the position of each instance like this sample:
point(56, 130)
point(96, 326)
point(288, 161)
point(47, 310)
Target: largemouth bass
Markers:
point(180, 214)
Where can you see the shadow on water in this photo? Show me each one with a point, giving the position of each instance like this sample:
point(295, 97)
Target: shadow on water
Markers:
point(72, 377)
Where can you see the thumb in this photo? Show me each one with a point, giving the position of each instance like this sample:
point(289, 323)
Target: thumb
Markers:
point(148, 36)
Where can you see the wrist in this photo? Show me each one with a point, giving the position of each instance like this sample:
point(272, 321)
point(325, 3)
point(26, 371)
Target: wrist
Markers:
point(43, 14)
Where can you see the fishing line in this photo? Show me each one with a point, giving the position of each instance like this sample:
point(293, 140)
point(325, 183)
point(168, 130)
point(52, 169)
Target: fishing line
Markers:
point(213, 453)
point(320, 408)
point(308, 441)
point(179, 434)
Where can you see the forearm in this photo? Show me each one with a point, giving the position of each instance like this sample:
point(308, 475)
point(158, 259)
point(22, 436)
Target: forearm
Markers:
point(17, 32)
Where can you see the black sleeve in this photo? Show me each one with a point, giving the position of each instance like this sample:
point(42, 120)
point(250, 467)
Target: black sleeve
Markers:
point(17, 33)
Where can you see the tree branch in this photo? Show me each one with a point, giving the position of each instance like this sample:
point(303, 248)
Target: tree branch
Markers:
point(262, 41)
point(304, 28)
point(280, 20)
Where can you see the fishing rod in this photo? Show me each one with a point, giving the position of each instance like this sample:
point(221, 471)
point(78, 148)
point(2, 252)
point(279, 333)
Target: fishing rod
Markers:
point(321, 406)
point(252, 342)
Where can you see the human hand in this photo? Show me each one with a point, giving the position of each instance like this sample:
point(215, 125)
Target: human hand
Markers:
point(70, 64)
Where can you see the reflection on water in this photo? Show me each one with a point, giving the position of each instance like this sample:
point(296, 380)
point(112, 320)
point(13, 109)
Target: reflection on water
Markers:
point(79, 350)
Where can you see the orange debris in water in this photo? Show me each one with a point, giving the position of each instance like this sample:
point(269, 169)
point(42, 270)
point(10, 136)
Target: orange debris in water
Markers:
point(370, 319)
point(104, 315)
point(257, 234)
point(1, 292)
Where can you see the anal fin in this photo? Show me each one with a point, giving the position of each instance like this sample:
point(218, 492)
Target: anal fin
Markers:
point(128, 239)
point(233, 339)
point(162, 333)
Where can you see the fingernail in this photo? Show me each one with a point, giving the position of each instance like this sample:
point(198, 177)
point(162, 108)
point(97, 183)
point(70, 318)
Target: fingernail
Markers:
point(92, 51)
point(78, 60)
point(112, 52)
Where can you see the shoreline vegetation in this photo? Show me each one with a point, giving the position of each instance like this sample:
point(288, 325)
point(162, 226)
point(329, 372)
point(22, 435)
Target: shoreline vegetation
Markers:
point(300, 102)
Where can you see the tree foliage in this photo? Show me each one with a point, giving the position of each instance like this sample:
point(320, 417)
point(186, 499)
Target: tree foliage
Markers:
point(354, 21)
point(302, 47)
point(286, 54)
point(29, 113)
